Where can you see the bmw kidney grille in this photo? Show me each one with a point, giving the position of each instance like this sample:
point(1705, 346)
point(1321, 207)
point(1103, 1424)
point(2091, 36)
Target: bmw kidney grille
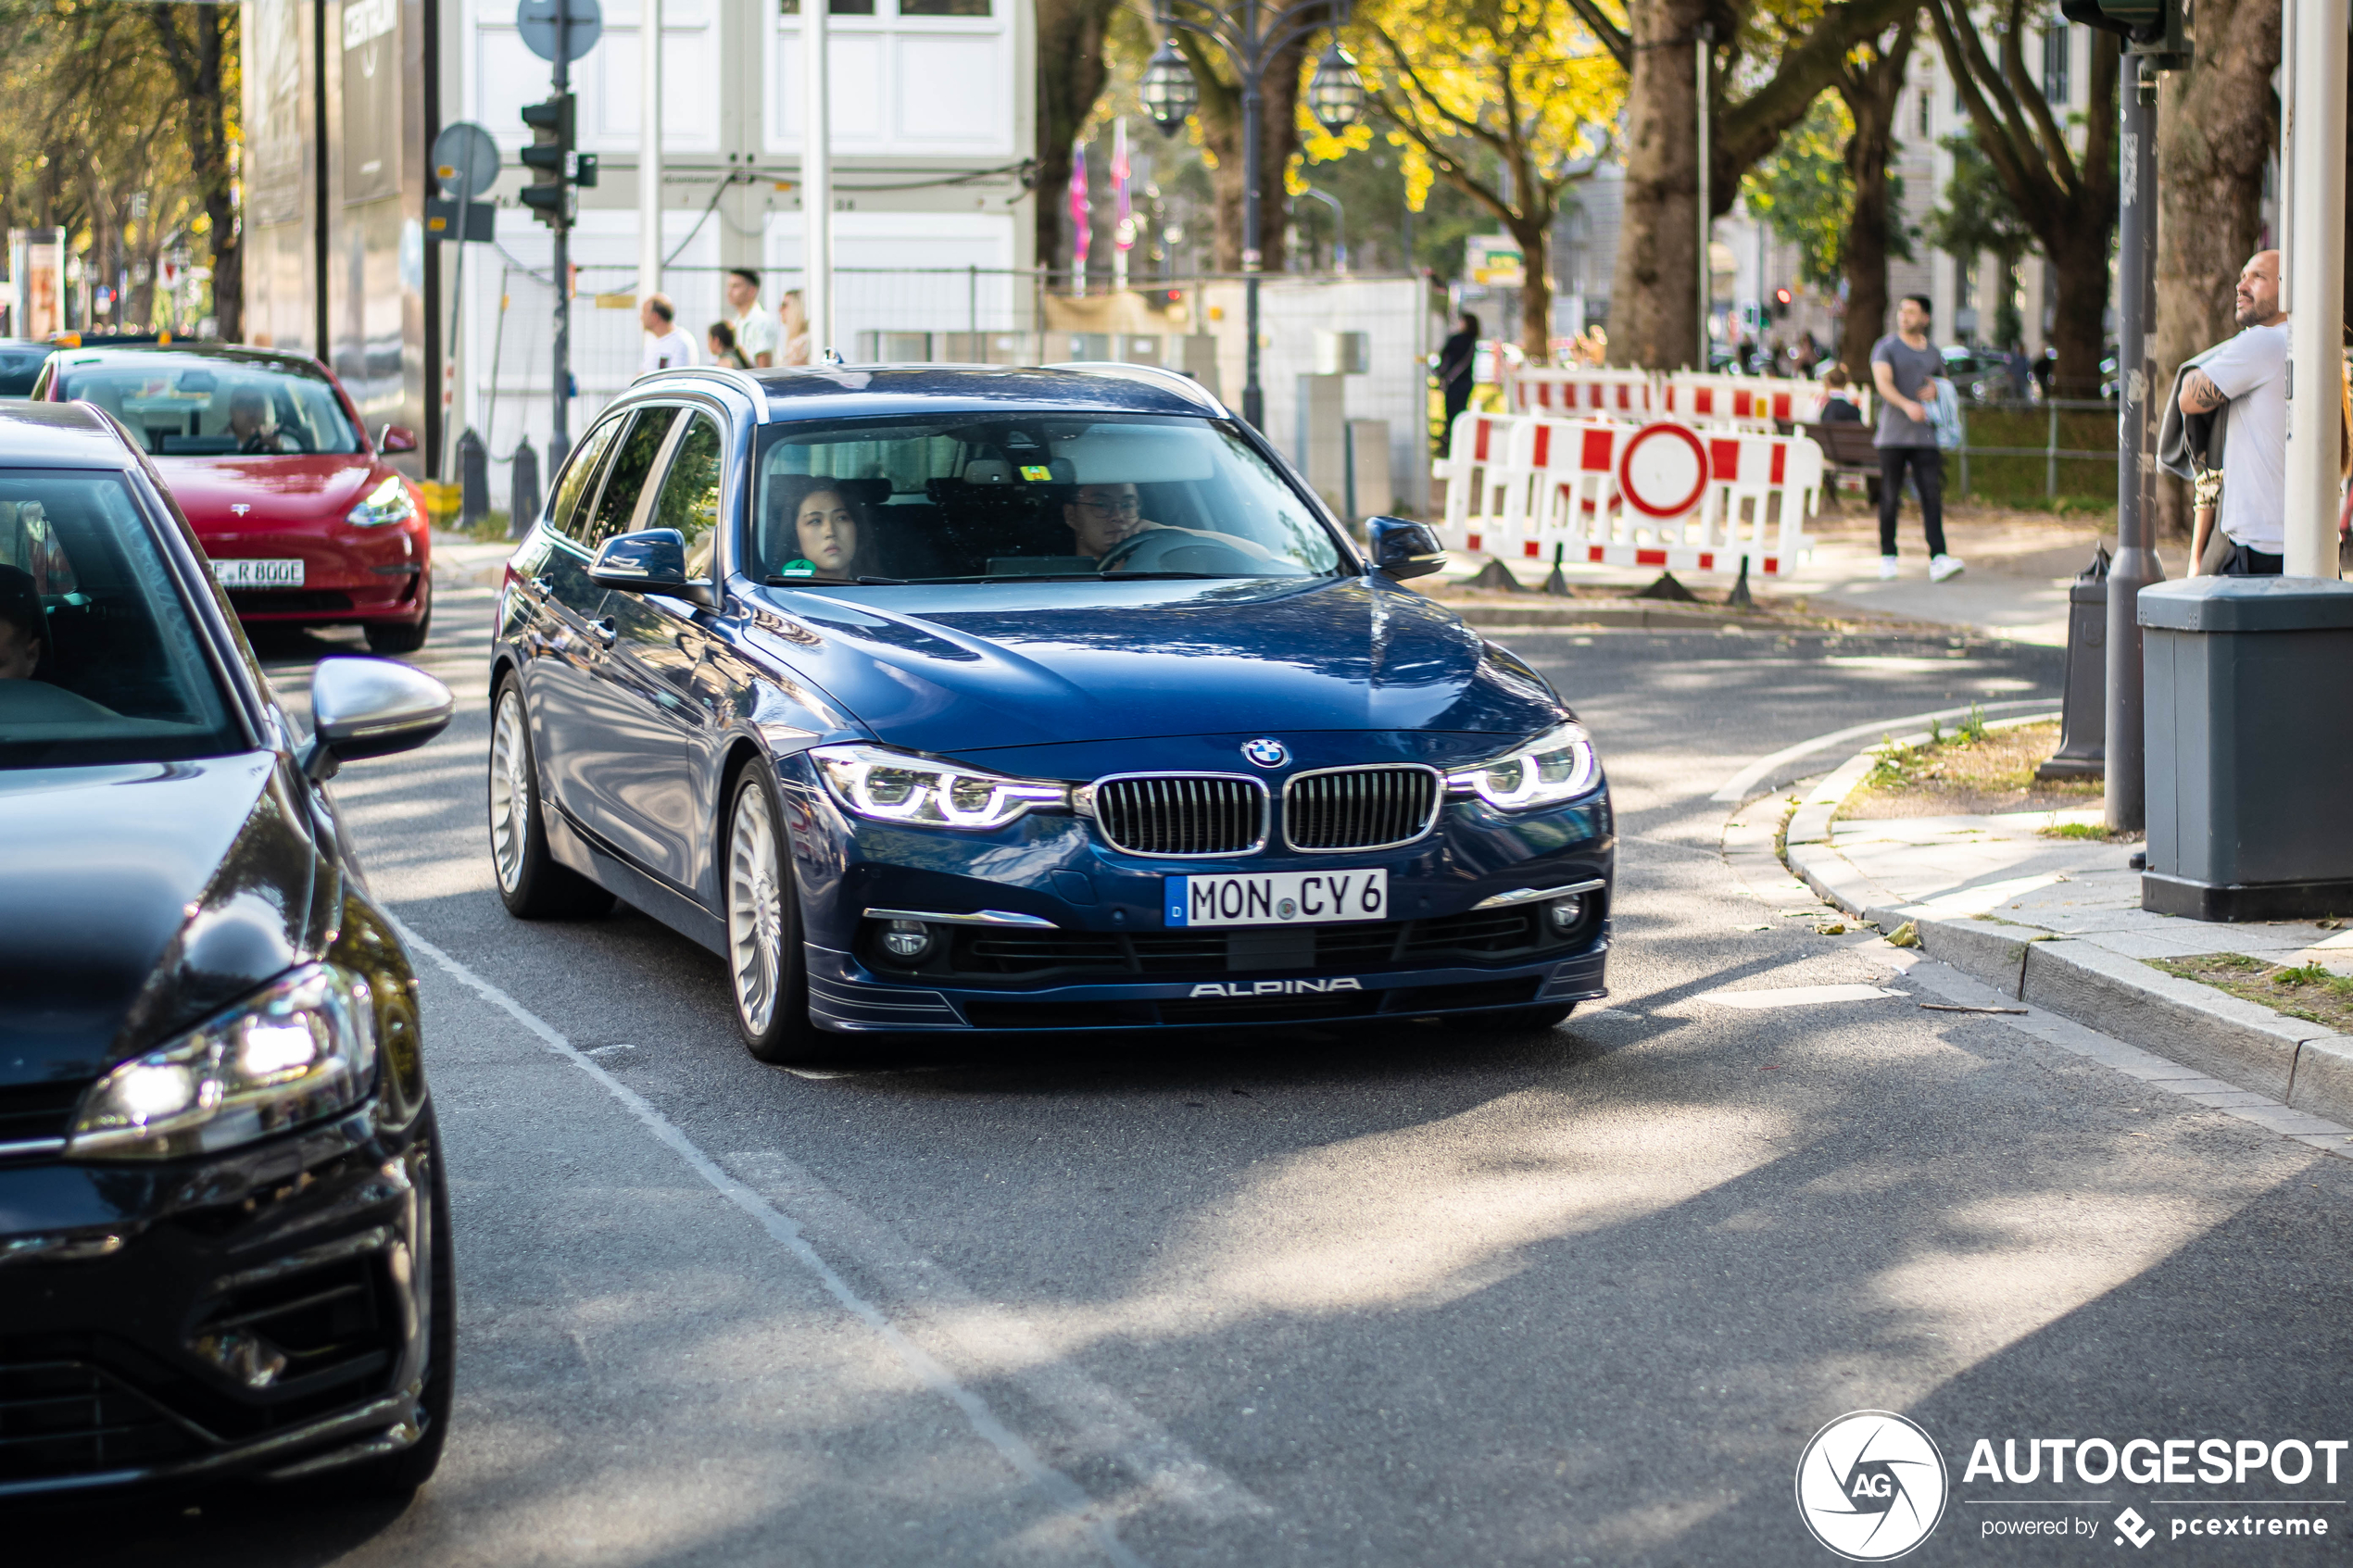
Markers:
point(1358, 808)
point(1188, 815)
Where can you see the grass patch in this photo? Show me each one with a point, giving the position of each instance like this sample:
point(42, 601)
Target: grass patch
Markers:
point(2097, 832)
point(1968, 769)
point(2308, 991)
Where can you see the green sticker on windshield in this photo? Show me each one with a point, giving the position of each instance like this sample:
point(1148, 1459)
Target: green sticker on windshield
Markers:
point(799, 569)
point(1037, 474)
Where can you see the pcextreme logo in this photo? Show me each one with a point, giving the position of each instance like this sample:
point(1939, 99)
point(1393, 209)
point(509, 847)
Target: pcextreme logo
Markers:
point(1872, 1486)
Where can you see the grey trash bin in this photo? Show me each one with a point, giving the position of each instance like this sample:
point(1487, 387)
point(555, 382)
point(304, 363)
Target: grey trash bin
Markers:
point(2250, 747)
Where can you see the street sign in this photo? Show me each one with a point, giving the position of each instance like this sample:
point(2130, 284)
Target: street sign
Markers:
point(1494, 260)
point(472, 220)
point(537, 19)
point(1663, 470)
point(465, 161)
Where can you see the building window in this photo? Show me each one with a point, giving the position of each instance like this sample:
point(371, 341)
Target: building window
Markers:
point(943, 8)
point(1927, 112)
point(2057, 55)
point(833, 8)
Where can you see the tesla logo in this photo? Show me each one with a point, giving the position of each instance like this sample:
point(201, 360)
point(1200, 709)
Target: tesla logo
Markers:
point(240, 508)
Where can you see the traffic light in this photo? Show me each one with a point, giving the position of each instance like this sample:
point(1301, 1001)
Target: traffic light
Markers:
point(549, 158)
point(2157, 29)
point(1781, 297)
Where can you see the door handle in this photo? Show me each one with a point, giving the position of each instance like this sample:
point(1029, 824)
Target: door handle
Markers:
point(604, 630)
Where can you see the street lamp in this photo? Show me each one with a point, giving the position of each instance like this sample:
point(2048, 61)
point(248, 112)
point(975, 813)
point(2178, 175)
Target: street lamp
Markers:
point(1253, 34)
point(1336, 94)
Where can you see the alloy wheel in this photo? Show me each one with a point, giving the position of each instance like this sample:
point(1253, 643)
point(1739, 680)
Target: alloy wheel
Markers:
point(509, 791)
point(755, 908)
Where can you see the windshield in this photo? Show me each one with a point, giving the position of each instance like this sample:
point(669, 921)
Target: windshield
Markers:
point(21, 367)
point(191, 407)
point(969, 499)
point(98, 659)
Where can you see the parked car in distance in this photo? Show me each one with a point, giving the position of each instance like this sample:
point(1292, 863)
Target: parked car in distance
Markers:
point(306, 522)
point(21, 362)
point(223, 1208)
point(948, 699)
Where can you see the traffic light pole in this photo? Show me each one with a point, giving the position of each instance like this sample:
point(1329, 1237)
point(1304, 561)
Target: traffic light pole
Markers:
point(2136, 566)
point(559, 441)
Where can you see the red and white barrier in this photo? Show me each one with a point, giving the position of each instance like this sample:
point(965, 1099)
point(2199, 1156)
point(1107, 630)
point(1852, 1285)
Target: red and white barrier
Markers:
point(1605, 493)
point(1574, 392)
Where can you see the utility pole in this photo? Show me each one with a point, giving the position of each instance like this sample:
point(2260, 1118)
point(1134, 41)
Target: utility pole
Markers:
point(650, 152)
point(2136, 566)
point(816, 182)
point(559, 441)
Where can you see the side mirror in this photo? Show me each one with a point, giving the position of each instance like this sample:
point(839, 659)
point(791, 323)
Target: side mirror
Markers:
point(397, 438)
point(371, 708)
point(650, 561)
point(1403, 549)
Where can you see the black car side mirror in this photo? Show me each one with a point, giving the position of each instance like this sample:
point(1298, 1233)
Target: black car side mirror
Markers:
point(1403, 549)
point(652, 560)
point(371, 708)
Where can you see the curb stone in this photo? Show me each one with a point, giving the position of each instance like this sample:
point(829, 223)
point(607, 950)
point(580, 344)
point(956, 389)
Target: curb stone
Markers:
point(2305, 1066)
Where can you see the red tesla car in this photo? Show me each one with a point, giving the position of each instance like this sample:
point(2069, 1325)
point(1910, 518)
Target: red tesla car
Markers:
point(305, 522)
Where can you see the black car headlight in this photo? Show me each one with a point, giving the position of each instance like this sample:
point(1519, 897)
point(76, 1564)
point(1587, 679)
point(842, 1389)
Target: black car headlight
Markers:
point(893, 787)
point(1558, 765)
point(302, 1048)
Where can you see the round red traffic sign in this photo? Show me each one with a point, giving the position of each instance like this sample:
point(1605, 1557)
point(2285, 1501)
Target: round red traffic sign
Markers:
point(1663, 470)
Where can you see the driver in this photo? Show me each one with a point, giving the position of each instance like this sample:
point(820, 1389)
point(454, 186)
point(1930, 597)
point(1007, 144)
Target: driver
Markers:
point(1104, 517)
point(251, 420)
point(21, 624)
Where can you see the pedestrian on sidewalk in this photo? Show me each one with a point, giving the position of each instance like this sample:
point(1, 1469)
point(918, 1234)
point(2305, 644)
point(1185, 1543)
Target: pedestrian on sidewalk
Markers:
point(724, 350)
point(2239, 389)
point(666, 346)
point(1904, 363)
point(756, 331)
point(1838, 398)
point(1458, 364)
point(792, 326)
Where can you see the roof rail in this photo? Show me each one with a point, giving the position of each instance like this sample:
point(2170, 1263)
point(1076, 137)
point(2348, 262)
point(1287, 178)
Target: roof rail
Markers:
point(742, 381)
point(1158, 375)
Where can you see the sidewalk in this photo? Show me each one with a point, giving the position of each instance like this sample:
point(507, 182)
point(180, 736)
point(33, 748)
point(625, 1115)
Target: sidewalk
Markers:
point(2057, 923)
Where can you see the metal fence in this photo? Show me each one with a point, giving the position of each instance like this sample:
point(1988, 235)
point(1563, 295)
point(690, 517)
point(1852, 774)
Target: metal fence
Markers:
point(2049, 413)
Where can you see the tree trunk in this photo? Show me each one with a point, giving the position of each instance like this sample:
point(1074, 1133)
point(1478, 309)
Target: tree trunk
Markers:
point(1220, 132)
point(2215, 130)
point(2079, 262)
point(1534, 235)
point(1071, 74)
point(1654, 309)
point(1870, 97)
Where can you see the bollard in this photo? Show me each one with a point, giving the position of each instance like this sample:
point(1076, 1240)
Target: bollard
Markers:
point(473, 479)
point(2082, 751)
point(522, 501)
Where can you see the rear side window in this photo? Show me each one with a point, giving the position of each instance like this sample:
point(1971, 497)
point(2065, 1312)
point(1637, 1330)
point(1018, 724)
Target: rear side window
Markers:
point(579, 480)
point(633, 464)
point(689, 499)
point(100, 659)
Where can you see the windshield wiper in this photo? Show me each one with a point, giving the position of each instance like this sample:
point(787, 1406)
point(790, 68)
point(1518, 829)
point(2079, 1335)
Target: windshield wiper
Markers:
point(832, 581)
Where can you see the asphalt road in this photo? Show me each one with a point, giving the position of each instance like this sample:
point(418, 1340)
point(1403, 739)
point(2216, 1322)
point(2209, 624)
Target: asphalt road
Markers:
point(1404, 1297)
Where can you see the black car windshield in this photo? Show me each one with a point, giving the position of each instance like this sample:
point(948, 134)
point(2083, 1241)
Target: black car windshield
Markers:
point(974, 499)
point(99, 661)
point(185, 405)
point(21, 367)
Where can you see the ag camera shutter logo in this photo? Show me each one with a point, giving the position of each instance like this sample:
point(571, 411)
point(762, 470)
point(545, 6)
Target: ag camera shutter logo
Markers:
point(1872, 1486)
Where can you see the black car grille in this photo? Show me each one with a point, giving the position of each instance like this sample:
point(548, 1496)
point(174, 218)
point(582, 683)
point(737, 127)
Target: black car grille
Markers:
point(1480, 935)
point(30, 1111)
point(1360, 808)
point(1206, 814)
point(63, 1418)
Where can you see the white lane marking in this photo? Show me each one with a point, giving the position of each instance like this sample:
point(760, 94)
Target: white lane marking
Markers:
point(1065, 1492)
point(1797, 996)
point(1736, 788)
point(606, 1050)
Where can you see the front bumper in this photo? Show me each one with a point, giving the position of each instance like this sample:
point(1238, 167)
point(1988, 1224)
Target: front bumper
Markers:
point(350, 575)
point(1088, 946)
point(264, 1312)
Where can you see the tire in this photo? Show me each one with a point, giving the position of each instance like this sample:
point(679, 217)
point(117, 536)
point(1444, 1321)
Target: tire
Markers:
point(1518, 1021)
point(532, 882)
point(392, 636)
point(395, 1477)
point(767, 974)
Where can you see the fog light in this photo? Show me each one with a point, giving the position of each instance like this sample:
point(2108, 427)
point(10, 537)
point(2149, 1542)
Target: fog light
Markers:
point(907, 940)
point(1565, 914)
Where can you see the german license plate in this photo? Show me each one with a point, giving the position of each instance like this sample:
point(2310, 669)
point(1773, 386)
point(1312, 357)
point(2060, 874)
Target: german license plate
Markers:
point(238, 573)
point(1276, 898)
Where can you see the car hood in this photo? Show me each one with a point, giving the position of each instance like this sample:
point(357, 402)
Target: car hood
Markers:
point(276, 489)
point(972, 667)
point(140, 899)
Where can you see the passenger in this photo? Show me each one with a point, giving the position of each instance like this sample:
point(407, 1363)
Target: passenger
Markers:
point(251, 420)
point(826, 529)
point(1104, 517)
point(21, 624)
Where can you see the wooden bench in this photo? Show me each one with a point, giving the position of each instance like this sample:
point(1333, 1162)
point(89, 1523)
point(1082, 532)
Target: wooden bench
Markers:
point(1846, 452)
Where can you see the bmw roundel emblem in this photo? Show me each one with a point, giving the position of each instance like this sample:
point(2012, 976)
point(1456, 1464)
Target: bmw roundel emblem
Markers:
point(1265, 752)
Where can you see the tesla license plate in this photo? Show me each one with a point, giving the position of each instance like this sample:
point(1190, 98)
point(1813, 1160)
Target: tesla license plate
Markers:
point(258, 573)
point(1276, 899)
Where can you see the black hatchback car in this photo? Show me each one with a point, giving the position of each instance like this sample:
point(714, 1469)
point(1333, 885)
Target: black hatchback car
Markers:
point(223, 1216)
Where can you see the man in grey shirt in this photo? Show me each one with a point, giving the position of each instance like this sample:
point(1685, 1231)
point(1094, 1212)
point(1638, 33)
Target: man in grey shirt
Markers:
point(1903, 363)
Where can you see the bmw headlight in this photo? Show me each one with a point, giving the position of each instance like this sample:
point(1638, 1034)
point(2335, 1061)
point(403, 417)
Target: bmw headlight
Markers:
point(891, 787)
point(388, 503)
point(304, 1048)
point(1557, 765)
